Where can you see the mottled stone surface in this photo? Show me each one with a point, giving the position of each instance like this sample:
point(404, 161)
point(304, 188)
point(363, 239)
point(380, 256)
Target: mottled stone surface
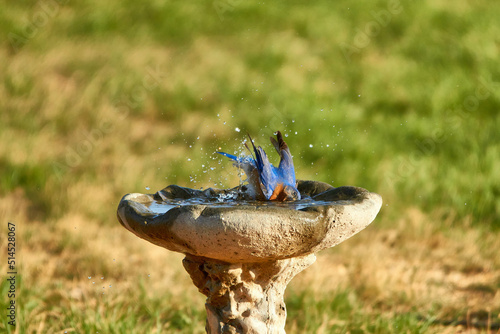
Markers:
point(242, 254)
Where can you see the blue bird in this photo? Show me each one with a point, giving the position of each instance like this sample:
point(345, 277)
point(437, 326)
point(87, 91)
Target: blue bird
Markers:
point(265, 181)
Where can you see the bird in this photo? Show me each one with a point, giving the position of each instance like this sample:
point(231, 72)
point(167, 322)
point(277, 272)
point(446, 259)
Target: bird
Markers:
point(267, 182)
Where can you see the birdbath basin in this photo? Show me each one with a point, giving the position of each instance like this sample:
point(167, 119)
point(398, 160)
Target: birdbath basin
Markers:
point(241, 253)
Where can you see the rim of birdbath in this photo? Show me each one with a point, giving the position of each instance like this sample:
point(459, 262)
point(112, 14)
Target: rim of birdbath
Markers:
point(249, 231)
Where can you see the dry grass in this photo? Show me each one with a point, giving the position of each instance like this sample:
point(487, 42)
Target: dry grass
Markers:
point(411, 264)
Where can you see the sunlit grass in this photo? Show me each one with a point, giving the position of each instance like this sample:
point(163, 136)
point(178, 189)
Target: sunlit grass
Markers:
point(102, 99)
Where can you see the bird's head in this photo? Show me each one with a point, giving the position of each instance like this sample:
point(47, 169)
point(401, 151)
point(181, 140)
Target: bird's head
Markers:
point(291, 193)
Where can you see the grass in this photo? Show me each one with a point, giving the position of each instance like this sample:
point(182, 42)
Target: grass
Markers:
point(99, 100)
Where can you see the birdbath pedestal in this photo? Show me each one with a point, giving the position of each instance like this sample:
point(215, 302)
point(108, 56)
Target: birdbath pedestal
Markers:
point(242, 254)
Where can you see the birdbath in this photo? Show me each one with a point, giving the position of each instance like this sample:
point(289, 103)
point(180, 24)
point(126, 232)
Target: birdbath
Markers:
point(241, 253)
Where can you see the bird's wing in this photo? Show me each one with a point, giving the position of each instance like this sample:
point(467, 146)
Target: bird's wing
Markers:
point(267, 174)
point(280, 145)
point(230, 156)
point(276, 145)
point(285, 168)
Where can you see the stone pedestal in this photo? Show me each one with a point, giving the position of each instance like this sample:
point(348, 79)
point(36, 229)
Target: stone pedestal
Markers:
point(245, 297)
point(242, 254)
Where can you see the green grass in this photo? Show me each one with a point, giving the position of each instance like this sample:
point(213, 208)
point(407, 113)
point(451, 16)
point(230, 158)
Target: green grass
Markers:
point(415, 104)
point(345, 306)
point(62, 313)
point(102, 99)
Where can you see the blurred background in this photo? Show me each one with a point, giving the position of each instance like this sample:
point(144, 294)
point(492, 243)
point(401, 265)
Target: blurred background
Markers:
point(100, 99)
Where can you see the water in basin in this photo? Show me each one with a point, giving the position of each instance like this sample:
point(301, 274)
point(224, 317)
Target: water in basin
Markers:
point(230, 200)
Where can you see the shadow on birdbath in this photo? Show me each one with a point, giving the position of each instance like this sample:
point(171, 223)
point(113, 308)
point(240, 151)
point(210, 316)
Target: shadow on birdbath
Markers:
point(241, 253)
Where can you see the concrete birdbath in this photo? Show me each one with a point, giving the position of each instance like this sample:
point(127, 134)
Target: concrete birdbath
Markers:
point(242, 253)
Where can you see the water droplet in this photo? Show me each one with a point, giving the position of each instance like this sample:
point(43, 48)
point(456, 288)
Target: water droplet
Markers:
point(102, 277)
point(147, 188)
point(90, 277)
point(237, 129)
point(310, 145)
